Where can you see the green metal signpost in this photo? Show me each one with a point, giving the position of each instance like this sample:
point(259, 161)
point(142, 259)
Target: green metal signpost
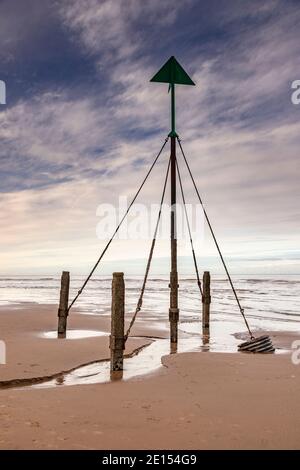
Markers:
point(172, 73)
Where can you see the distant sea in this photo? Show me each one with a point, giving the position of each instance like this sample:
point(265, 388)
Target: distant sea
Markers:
point(271, 302)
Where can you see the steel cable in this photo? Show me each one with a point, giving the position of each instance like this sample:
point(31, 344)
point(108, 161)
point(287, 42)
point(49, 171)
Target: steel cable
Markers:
point(119, 225)
point(215, 240)
point(140, 301)
point(189, 229)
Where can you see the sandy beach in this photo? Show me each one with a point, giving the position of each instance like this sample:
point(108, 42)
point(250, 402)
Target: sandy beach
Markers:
point(149, 168)
point(195, 400)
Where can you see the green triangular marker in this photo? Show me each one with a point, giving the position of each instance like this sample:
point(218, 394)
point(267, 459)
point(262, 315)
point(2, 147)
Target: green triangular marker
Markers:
point(172, 73)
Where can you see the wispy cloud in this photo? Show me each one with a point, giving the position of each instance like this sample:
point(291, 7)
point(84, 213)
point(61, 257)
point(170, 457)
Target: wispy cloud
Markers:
point(66, 147)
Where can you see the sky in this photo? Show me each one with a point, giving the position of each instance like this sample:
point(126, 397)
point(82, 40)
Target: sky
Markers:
point(82, 124)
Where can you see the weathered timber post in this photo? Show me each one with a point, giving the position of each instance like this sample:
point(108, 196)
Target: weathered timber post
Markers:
point(63, 304)
point(206, 300)
point(117, 343)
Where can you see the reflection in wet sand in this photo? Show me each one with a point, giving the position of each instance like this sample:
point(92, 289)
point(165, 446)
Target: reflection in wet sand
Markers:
point(60, 380)
point(147, 361)
point(205, 339)
point(116, 375)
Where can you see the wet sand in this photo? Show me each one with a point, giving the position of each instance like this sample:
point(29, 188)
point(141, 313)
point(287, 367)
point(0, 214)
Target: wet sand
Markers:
point(31, 354)
point(196, 401)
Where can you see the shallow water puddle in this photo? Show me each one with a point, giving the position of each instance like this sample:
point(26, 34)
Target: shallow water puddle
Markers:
point(76, 334)
point(146, 361)
point(220, 340)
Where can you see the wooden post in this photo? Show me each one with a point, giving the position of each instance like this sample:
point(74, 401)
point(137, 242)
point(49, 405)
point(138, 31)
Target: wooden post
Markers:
point(206, 300)
point(63, 304)
point(117, 343)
